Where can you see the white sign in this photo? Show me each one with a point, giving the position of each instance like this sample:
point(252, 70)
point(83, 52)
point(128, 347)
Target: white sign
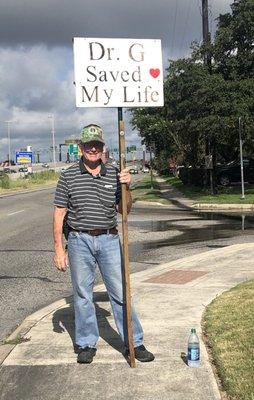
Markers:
point(118, 72)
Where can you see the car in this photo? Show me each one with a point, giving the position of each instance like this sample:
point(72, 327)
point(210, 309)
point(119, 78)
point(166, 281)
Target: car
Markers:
point(145, 170)
point(231, 172)
point(133, 171)
point(23, 169)
point(45, 165)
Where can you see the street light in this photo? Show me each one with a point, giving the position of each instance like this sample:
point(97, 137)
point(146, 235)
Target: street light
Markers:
point(9, 140)
point(53, 138)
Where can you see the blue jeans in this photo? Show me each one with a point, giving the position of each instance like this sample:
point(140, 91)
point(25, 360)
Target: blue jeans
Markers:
point(85, 252)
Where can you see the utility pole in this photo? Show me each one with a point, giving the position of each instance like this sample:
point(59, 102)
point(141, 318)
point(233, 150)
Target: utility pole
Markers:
point(144, 155)
point(241, 155)
point(53, 138)
point(208, 63)
point(9, 140)
point(206, 33)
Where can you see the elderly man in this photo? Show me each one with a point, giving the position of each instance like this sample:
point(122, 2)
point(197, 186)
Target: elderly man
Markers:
point(88, 197)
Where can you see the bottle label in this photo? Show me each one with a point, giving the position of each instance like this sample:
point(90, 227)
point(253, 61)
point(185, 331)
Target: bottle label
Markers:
point(193, 354)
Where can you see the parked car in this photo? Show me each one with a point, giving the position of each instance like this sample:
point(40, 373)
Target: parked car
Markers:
point(133, 170)
point(145, 170)
point(45, 165)
point(23, 169)
point(231, 172)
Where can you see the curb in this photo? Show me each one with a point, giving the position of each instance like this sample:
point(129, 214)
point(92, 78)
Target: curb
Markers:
point(31, 320)
point(208, 206)
point(153, 203)
point(223, 207)
point(25, 191)
point(25, 326)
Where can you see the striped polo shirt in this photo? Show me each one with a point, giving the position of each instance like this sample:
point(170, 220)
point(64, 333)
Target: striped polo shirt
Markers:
point(90, 201)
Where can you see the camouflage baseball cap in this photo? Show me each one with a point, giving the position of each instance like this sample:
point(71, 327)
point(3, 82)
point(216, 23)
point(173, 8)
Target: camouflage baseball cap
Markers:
point(91, 133)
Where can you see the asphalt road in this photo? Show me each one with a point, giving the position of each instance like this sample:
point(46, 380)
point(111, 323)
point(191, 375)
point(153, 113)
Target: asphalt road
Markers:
point(28, 280)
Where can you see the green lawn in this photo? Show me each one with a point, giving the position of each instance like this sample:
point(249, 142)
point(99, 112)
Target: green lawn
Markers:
point(143, 192)
point(225, 195)
point(229, 330)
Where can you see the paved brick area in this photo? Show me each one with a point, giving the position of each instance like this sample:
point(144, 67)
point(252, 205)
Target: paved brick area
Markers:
point(177, 277)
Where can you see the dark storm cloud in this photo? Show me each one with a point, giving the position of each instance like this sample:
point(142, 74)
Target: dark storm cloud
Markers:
point(36, 60)
point(55, 22)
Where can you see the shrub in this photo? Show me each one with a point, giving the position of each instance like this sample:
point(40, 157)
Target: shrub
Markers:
point(44, 176)
point(4, 181)
point(193, 176)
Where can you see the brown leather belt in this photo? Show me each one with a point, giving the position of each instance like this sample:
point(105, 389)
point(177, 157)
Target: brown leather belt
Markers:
point(97, 232)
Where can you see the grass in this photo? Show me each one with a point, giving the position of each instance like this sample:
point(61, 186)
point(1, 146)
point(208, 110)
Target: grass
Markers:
point(230, 195)
point(143, 192)
point(30, 181)
point(17, 340)
point(228, 325)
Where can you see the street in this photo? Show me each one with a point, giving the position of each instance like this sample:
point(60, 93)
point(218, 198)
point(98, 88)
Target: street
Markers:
point(157, 234)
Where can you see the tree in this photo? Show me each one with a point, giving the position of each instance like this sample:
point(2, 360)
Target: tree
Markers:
point(234, 42)
point(200, 105)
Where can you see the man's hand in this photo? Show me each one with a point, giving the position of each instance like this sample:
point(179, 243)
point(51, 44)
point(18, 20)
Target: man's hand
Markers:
point(125, 176)
point(61, 260)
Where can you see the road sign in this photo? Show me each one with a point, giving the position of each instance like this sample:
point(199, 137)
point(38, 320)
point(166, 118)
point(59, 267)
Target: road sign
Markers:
point(131, 149)
point(118, 72)
point(73, 149)
point(24, 157)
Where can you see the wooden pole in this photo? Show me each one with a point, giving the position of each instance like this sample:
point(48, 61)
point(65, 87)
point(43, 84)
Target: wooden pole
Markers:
point(126, 285)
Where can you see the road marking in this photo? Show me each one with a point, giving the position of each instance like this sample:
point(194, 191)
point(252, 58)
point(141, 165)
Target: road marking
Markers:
point(16, 212)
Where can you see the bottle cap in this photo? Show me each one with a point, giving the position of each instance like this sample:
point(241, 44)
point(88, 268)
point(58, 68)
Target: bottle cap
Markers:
point(193, 330)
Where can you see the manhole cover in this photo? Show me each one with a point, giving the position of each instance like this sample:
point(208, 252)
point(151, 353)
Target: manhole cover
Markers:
point(177, 277)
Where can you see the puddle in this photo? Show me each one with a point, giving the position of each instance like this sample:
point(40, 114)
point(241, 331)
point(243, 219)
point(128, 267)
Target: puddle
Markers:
point(191, 230)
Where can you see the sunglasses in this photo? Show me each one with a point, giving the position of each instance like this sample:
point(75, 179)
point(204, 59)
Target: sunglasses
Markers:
point(91, 145)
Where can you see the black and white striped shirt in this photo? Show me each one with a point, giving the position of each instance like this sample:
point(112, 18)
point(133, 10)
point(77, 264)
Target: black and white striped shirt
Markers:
point(90, 201)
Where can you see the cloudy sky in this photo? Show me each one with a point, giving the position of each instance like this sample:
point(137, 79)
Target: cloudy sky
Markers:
point(36, 59)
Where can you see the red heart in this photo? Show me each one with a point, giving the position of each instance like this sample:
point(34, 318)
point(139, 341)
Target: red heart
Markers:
point(155, 72)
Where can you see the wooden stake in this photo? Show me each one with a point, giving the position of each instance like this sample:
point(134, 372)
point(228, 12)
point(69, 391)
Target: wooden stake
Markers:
point(126, 288)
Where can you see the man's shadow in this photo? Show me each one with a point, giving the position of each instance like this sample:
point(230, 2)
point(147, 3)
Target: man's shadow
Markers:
point(63, 320)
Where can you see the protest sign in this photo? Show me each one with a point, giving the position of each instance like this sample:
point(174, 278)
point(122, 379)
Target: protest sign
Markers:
point(118, 72)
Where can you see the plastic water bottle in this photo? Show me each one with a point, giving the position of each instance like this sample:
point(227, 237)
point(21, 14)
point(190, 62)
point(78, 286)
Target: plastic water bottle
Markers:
point(193, 349)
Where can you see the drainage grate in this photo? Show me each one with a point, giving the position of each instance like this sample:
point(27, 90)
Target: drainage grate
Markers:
point(177, 277)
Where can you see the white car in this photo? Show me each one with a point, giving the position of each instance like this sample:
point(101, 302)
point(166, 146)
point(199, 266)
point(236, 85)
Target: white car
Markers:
point(145, 170)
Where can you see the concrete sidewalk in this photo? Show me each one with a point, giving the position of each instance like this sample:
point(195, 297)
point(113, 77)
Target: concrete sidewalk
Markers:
point(177, 198)
point(170, 300)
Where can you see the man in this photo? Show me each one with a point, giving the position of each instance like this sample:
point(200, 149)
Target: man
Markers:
point(88, 197)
